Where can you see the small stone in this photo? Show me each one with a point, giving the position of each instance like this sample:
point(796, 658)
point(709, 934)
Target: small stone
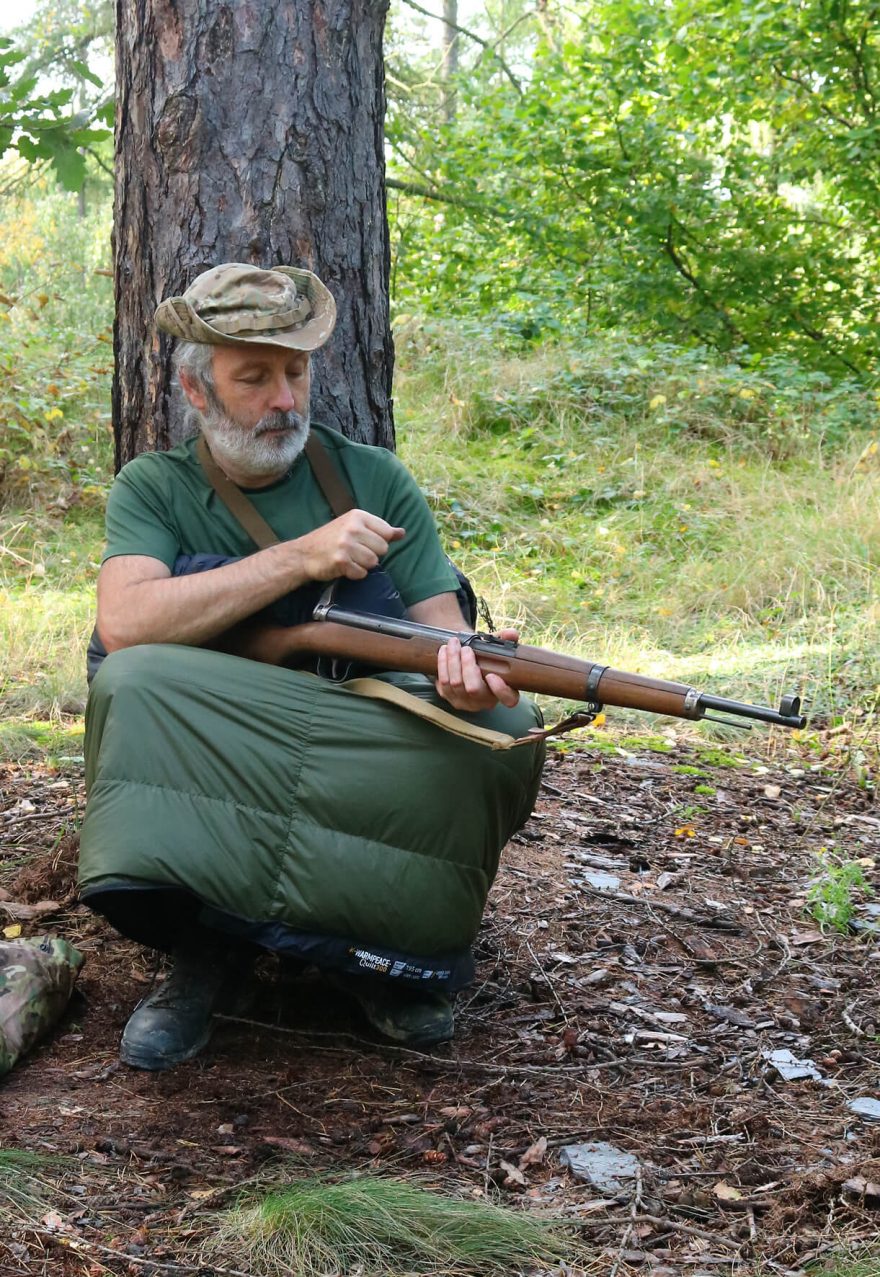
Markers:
point(866, 1107)
point(607, 1168)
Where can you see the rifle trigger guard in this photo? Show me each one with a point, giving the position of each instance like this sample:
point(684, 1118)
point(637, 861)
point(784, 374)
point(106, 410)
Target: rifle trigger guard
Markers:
point(507, 645)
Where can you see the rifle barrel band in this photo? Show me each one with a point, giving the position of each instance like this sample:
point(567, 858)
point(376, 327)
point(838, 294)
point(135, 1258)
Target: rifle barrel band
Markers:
point(692, 707)
point(593, 679)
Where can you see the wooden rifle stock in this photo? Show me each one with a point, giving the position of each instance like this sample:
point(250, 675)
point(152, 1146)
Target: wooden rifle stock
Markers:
point(408, 646)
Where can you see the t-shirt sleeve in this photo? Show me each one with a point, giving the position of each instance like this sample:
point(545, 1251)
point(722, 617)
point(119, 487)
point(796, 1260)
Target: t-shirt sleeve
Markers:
point(417, 564)
point(138, 519)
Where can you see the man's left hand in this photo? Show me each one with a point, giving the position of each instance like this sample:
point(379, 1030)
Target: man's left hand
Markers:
point(461, 682)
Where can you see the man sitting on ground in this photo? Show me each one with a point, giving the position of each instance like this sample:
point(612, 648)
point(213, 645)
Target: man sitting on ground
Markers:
point(236, 803)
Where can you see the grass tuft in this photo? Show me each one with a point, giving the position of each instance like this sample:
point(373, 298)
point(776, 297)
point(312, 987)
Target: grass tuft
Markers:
point(24, 1190)
point(381, 1226)
point(862, 1263)
point(833, 895)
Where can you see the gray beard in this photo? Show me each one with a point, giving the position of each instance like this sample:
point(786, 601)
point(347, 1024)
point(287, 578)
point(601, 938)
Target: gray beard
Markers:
point(249, 450)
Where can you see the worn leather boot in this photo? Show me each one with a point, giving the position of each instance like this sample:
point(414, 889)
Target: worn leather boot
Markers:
point(408, 1015)
point(175, 1020)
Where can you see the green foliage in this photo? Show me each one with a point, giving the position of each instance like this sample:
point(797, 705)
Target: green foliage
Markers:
point(48, 570)
point(55, 349)
point(52, 742)
point(832, 896)
point(375, 1226)
point(40, 124)
point(709, 177)
point(615, 513)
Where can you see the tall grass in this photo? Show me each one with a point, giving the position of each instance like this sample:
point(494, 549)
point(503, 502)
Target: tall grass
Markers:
point(656, 507)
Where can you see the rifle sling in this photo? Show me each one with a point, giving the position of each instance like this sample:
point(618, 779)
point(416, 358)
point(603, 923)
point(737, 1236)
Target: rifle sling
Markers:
point(235, 500)
point(335, 490)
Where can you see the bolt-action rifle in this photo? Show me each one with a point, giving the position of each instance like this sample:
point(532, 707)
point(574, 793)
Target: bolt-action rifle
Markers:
point(408, 646)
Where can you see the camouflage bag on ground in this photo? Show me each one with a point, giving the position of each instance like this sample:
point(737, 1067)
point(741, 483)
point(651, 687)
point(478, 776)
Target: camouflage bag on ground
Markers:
point(36, 980)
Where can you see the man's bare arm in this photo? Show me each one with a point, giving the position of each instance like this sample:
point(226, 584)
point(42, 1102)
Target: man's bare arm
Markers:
point(140, 602)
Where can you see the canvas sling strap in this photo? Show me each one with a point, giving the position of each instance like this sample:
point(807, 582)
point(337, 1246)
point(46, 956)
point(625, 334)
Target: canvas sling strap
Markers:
point(340, 500)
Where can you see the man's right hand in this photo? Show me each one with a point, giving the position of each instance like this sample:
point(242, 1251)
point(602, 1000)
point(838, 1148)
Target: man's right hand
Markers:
point(140, 602)
point(348, 546)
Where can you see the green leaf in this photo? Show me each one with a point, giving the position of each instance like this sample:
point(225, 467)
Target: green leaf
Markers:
point(86, 73)
point(69, 165)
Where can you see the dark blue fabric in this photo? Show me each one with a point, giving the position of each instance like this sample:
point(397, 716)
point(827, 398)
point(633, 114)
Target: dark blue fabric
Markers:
point(376, 593)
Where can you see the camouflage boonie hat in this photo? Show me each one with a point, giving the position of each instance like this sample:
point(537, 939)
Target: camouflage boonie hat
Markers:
point(236, 304)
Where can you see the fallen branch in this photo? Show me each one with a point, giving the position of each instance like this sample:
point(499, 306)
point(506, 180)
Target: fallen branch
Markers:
point(675, 911)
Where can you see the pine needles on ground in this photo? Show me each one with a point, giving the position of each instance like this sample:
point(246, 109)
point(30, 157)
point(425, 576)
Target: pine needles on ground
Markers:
point(379, 1226)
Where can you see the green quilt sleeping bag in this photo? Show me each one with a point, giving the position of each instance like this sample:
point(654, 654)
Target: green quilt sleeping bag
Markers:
point(291, 812)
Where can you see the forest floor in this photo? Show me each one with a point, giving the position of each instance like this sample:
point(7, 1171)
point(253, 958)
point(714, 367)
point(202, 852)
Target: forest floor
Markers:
point(646, 950)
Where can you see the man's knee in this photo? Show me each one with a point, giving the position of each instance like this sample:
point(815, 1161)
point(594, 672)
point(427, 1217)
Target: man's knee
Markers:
point(129, 668)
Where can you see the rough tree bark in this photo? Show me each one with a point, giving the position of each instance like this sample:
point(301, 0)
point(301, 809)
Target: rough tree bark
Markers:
point(251, 131)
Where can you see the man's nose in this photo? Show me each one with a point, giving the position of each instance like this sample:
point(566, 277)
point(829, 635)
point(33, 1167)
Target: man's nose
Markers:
point(281, 399)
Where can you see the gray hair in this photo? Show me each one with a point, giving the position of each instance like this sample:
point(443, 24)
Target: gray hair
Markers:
point(196, 360)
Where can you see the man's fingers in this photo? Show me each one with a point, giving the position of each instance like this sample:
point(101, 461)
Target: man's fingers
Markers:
point(452, 654)
point(348, 546)
point(460, 680)
point(471, 674)
point(508, 696)
point(387, 531)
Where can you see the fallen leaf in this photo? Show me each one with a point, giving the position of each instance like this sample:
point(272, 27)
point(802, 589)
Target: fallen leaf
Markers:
point(289, 1145)
point(12, 932)
point(23, 808)
point(15, 909)
point(570, 1039)
point(456, 1111)
point(534, 1154)
point(772, 791)
point(199, 1194)
point(806, 937)
point(726, 1192)
point(861, 1187)
point(513, 1175)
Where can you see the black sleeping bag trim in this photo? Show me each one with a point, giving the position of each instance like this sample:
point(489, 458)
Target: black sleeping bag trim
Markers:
point(122, 903)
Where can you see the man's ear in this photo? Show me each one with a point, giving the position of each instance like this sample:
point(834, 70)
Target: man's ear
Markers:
point(193, 391)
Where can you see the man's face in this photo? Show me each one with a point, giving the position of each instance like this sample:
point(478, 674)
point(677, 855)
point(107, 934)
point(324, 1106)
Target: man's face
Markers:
point(256, 417)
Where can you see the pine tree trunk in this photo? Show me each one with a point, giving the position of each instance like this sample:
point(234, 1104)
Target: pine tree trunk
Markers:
point(450, 57)
point(251, 131)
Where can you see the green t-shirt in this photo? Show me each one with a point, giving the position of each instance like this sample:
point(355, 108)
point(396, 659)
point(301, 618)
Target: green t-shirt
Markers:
point(162, 505)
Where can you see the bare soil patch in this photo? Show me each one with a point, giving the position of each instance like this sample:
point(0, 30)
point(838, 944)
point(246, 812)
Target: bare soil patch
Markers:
point(645, 949)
